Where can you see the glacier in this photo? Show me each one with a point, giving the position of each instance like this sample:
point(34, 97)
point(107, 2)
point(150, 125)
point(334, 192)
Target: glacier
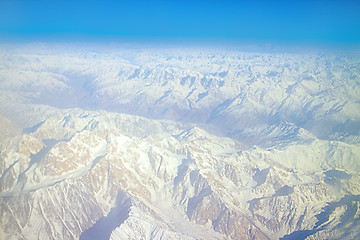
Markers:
point(112, 142)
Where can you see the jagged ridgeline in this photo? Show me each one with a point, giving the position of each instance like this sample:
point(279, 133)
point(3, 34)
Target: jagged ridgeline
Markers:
point(119, 143)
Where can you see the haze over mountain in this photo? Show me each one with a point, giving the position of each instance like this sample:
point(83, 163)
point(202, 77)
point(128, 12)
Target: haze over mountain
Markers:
point(103, 142)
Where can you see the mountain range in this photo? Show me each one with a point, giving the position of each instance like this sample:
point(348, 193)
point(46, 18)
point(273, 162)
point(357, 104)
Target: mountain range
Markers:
point(104, 142)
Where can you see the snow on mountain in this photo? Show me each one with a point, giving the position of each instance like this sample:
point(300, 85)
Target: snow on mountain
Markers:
point(100, 143)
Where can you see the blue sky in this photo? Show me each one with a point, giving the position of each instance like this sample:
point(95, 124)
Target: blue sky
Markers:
point(263, 21)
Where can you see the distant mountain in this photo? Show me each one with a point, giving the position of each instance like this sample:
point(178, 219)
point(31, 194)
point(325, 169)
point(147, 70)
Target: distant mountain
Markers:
point(111, 143)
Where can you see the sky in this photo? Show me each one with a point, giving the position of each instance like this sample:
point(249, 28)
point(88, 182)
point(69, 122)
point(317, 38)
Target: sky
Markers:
point(212, 20)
